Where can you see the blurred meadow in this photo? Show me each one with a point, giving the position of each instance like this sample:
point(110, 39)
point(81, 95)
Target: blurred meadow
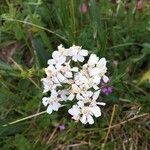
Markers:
point(30, 30)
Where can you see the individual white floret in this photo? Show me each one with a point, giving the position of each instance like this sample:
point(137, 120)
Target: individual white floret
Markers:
point(74, 90)
point(77, 53)
point(97, 68)
point(87, 108)
point(103, 69)
point(67, 71)
point(53, 102)
point(59, 57)
point(93, 60)
point(93, 81)
point(85, 113)
point(49, 84)
point(63, 94)
point(75, 112)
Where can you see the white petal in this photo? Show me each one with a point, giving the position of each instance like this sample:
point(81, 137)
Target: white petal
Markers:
point(74, 111)
point(71, 111)
point(74, 50)
point(63, 94)
point(51, 61)
point(61, 60)
point(93, 59)
point(55, 79)
point(89, 93)
point(63, 97)
point(101, 103)
point(45, 90)
point(58, 66)
point(80, 58)
point(83, 119)
point(105, 79)
point(54, 93)
point(60, 46)
point(95, 71)
point(83, 79)
point(79, 97)
point(60, 77)
point(102, 62)
point(71, 97)
point(96, 111)
point(75, 88)
point(74, 69)
point(96, 95)
point(55, 106)
point(75, 58)
point(45, 101)
point(90, 119)
point(76, 118)
point(95, 87)
point(49, 109)
point(51, 68)
point(56, 55)
point(66, 52)
point(87, 86)
point(83, 52)
point(68, 74)
point(80, 104)
point(97, 79)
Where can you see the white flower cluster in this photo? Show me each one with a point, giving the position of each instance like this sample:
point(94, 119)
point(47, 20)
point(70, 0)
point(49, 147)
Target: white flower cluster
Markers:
point(71, 77)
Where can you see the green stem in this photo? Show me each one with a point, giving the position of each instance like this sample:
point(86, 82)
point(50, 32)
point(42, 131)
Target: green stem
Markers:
point(123, 45)
point(19, 120)
point(73, 19)
point(37, 26)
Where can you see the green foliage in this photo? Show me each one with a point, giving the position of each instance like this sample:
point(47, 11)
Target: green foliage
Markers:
point(22, 143)
point(118, 31)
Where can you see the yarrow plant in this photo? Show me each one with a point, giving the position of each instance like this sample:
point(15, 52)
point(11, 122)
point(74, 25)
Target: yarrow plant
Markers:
point(73, 74)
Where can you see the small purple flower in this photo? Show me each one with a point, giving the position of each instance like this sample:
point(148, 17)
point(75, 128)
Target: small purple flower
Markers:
point(61, 127)
point(83, 8)
point(107, 90)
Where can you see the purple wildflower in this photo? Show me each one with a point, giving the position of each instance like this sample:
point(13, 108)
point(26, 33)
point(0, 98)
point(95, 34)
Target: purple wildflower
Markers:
point(62, 127)
point(107, 90)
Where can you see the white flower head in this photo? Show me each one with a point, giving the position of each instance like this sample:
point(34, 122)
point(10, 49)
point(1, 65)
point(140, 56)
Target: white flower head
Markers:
point(80, 83)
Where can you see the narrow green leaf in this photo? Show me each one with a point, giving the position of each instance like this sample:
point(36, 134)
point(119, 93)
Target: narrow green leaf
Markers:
point(42, 53)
